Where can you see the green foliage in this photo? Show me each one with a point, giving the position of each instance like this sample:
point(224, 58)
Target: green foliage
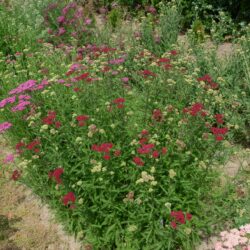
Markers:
point(160, 37)
point(198, 31)
point(115, 17)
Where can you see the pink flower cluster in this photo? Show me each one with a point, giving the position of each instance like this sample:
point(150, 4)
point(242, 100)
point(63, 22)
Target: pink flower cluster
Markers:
point(41, 85)
point(23, 87)
point(4, 126)
point(20, 106)
point(117, 61)
point(233, 238)
point(9, 158)
point(7, 100)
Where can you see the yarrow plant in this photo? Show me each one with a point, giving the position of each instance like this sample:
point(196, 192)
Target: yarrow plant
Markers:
point(121, 141)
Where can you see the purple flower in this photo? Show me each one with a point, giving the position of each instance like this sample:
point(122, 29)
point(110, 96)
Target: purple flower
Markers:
point(4, 126)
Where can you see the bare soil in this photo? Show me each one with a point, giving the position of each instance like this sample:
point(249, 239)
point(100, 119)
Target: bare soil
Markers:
point(26, 223)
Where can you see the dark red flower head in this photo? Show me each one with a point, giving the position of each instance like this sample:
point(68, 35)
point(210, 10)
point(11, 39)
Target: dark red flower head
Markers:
point(82, 77)
point(15, 175)
point(147, 73)
point(69, 197)
point(145, 148)
point(138, 161)
point(219, 118)
point(56, 174)
point(33, 146)
point(103, 148)
point(179, 217)
point(157, 115)
point(82, 119)
point(19, 145)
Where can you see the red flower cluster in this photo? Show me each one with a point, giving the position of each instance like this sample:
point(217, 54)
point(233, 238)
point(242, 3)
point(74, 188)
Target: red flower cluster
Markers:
point(119, 102)
point(33, 146)
point(69, 197)
point(103, 148)
point(165, 62)
point(219, 132)
point(195, 109)
point(50, 119)
point(155, 154)
point(179, 217)
point(145, 148)
point(81, 77)
point(157, 115)
point(82, 119)
point(173, 52)
point(15, 175)
point(164, 150)
point(146, 73)
point(219, 118)
point(56, 174)
point(209, 82)
point(19, 145)
point(143, 137)
point(138, 161)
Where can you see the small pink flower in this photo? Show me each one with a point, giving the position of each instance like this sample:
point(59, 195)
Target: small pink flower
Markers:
point(61, 31)
point(9, 158)
point(88, 21)
point(125, 79)
point(61, 19)
point(218, 246)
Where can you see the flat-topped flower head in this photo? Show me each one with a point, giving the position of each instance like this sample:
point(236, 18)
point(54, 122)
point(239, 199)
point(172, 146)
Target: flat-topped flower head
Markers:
point(56, 174)
point(69, 198)
point(5, 126)
point(23, 87)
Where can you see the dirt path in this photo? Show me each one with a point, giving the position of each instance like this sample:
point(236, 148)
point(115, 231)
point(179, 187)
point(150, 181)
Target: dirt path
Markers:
point(25, 223)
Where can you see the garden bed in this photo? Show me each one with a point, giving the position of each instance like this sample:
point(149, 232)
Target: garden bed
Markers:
point(122, 130)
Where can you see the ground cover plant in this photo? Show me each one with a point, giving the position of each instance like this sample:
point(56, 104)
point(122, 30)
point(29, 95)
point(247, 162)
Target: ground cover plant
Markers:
point(123, 140)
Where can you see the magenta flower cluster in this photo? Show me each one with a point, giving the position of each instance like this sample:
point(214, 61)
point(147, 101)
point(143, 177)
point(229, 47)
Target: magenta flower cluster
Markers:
point(23, 87)
point(4, 126)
